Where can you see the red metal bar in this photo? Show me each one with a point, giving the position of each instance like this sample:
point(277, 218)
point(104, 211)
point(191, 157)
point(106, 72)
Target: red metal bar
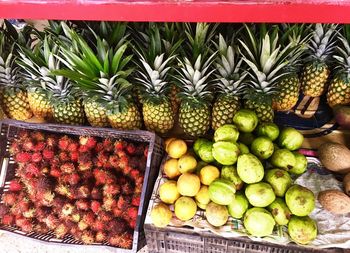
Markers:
point(189, 11)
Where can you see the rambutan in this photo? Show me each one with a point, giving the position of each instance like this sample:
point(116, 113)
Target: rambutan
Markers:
point(131, 213)
point(71, 179)
point(61, 230)
point(29, 214)
point(63, 190)
point(88, 237)
point(121, 240)
point(28, 145)
point(14, 148)
point(86, 175)
point(42, 212)
point(85, 166)
point(127, 188)
point(68, 168)
point(103, 177)
point(108, 145)
point(40, 228)
point(67, 209)
point(39, 146)
point(55, 172)
point(73, 147)
point(105, 216)
point(119, 145)
point(4, 210)
point(37, 157)
point(15, 186)
point(123, 202)
point(103, 157)
point(48, 154)
point(64, 156)
point(76, 233)
point(44, 184)
point(100, 236)
point(82, 192)
point(98, 225)
point(136, 200)
point(8, 219)
point(96, 193)
point(23, 205)
point(89, 218)
point(134, 174)
point(52, 221)
point(99, 147)
point(117, 212)
point(32, 170)
point(51, 141)
point(15, 210)
point(25, 224)
point(64, 142)
point(111, 189)
point(9, 198)
point(82, 225)
point(23, 157)
point(76, 217)
point(113, 160)
point(38, 136)
point(82, 204)
point(58, 202)
point(109, 203)
point(131, 149)
point(74, 156)
point(95, 206)
point(117, 226)
point(145, 152)
point(90, 142)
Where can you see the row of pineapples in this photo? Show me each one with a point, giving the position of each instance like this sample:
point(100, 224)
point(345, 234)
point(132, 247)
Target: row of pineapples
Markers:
point(123, 75)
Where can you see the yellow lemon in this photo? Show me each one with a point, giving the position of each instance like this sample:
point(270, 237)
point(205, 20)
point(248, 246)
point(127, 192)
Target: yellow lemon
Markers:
point(185, 208)
point(167, 142)
point(187, 163)
point(161, 215)
point(208, 174)
point(177, 148)
point(168, 192)
point(171, 169)
point(202, 196)
point(188, 184)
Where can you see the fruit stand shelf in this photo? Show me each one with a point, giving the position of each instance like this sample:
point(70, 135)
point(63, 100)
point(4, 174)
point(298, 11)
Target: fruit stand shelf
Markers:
point(328, 11)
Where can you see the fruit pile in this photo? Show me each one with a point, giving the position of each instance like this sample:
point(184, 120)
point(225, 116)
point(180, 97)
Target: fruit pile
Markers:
point(84, 186)
point(245, 172)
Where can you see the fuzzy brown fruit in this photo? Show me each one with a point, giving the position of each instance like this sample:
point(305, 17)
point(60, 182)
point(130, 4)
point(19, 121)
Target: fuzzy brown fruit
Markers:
point(334, 201)
point(335, 157)
point(346, 183)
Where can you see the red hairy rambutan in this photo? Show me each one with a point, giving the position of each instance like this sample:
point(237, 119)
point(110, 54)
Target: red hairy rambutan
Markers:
point(61, 230)
point(99, 147)
point(28, 145)
point(105, 216)
point(71, 179)
point(98, 225)
point(117, 212)
point(9, 198)
point(38, 136)
point(88, 237)
point(64, 156)
point(64, 142)
point(100, 236)
point(131, 149)
point(83, 191)
point(82, 225)
point(15, 186)
point(37, 157)
point(89, 218)
point(48, 154)
point(4, 210)
point(55, 172)
point(51, 141)
point(73, 147)
point(123, 202)
point(96, 193)
point(103, 177)
point(40, 228)
point(108, 145)
point(95, 206)
point(82, 204)
point(136, 200)
point(8, 219)
point(68, 168)
point(23, 157)
point(51, 221)
point(39, 146)
point(117, 226)
point(90, 142)
point(109, 203)
point(121, 240)
point(14, 148)
point(74, 156)
point(111, 189)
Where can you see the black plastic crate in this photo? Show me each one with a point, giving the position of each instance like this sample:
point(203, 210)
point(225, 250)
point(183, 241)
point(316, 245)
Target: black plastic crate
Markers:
point(186, 240)
point(9, 130)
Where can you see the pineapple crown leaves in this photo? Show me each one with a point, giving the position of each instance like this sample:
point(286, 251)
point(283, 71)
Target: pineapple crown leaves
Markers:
point(322, 43)
point(153, 79)
point(199, 40)
point(228, 65)
point(38, 66)
point(266, 60)
point(343, 57)
point(194, 80)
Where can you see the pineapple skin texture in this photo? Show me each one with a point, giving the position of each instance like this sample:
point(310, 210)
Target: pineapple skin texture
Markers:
point(128, 120)
point(96, 114)
point(15, 104)
point(224, 109)
point(263, 111)
point(40, 105)
point(338, 92)
point(71, 113)
point(158, 117)
point(174, 99)
point(288, 95)
point(314, 79)
point(194, 121)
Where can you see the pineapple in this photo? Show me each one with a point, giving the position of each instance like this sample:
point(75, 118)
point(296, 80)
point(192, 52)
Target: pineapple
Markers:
point(339, 87)
point(100, 74)
point(156, 56)
point(53, 92)
point(316, 70)
point(194, 79)
point(229, 88)
point(194, 113)
point(266, 61)
point(289, 86)
point(13, 98)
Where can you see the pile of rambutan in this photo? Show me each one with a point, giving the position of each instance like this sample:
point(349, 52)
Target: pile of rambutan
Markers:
point(86, 187)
